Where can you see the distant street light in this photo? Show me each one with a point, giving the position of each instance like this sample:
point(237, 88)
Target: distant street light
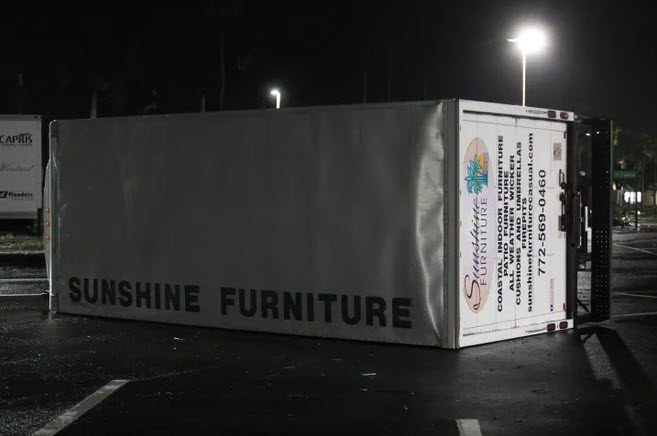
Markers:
point(530, 40)
point(276, 93)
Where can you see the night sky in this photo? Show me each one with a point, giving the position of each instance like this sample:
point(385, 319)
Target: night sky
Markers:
point(156, 57)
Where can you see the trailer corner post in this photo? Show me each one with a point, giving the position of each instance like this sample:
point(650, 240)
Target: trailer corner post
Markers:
point(573, 229)
point(49, 202)
point(452, 223)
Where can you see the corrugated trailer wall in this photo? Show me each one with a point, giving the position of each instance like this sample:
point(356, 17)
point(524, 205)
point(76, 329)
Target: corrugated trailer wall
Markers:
point(318, 221)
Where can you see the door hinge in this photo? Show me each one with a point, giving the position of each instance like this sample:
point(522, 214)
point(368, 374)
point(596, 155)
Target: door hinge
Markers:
point(563, 198)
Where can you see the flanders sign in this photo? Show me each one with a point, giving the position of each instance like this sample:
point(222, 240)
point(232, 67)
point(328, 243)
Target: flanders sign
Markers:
point(624, 174)
point(20, 166)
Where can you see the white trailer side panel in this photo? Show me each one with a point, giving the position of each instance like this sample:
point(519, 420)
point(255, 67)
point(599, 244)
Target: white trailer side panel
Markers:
point(312, 221)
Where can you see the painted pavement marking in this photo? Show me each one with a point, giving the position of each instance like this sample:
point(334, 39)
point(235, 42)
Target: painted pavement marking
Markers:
point(72, 414)
point(637, 249)
point(468, 427)
point(635, 295)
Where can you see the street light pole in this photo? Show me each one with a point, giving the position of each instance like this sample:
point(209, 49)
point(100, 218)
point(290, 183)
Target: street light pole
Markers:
point(529, 40)
point(524, 75)
point(277, 94)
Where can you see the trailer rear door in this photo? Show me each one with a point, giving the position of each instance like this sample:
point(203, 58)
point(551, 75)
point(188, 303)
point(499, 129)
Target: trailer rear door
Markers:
point(512, 265)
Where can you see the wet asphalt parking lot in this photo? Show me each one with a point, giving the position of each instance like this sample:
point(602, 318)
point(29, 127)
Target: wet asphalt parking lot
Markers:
point(124, 377)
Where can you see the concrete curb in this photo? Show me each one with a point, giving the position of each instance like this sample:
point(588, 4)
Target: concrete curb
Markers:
point(23, 259)
point(26, 301)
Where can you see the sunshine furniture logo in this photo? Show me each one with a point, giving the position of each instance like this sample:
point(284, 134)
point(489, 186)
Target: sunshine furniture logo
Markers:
point(477, 176)
point(476, 268)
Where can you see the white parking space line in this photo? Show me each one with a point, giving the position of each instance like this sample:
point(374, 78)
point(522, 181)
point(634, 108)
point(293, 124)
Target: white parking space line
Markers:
point(24, 279)
point(599, 362)
point(637, 249)
point(23, 295)
point(635, 295)
point(633, 274)
point(629, 315)
point(468, 427)
point(603, 369)
point(68, 417)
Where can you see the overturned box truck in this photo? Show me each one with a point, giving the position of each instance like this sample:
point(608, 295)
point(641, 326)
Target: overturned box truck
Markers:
point(440, 223)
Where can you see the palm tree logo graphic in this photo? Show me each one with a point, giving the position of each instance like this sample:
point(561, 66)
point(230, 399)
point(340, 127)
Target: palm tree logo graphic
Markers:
point(477, 176)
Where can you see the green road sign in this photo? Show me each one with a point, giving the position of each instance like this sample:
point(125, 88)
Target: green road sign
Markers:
point(624, 174)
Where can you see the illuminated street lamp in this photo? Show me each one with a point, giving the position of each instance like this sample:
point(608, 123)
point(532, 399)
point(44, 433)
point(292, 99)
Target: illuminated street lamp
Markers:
point(530, 40)
point(276, 93)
